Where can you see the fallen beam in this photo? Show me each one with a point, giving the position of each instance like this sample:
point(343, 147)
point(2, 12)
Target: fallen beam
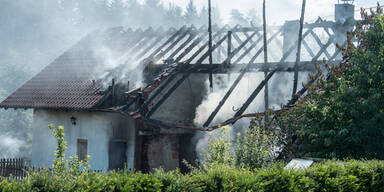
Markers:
point(218, 68)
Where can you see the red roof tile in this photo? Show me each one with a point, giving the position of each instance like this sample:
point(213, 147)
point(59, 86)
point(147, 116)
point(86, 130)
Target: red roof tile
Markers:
point(66, 83)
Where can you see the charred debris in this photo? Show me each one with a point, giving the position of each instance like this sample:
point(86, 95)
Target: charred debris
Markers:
point(173, 56)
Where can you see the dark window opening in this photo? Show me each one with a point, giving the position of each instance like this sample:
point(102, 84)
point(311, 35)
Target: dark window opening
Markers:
point(82, 149)
point(117, 154)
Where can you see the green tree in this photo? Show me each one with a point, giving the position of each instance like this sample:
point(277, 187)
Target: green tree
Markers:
point(61, 147)
point(73, 166)
point(343, 115)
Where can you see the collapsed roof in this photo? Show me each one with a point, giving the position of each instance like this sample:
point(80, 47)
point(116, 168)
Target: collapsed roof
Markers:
point(76, 80)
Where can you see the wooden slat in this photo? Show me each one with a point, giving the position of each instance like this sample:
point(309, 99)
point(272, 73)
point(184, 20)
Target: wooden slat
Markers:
point(317, 39)
point(309, 50)
point(197, 53)
point(298, 54)
point(154, 43)
point(194, 44)
point(192, 35)
point(235, 83)
point(181, 80)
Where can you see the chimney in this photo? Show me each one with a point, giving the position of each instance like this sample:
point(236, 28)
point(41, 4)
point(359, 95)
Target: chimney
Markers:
point(345, 21)
point(345, 12)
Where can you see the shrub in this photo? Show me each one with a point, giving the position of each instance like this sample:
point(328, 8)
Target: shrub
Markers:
point(326, 176)
point(256, 147)
point(342, 116)
point(345, 113)
point(219, 148)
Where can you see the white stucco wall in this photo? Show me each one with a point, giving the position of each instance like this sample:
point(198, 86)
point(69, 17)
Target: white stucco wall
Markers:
point(98, 128)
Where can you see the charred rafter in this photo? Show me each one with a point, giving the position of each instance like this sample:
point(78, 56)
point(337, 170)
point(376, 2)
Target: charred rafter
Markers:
point(155, 41)
point(185, 51)
point(181, 80)
point(263, 83)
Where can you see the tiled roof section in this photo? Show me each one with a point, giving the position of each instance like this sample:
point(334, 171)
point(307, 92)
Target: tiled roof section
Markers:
point(66, 83)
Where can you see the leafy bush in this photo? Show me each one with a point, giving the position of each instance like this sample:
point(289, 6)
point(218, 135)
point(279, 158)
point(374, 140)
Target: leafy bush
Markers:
point(219, 148)
point(327, 176)
point(345, 113)
point(256, 147)
point(342, 116)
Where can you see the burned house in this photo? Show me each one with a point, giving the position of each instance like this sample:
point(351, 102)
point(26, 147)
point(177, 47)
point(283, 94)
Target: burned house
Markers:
point(129, 97)
point(72, 92)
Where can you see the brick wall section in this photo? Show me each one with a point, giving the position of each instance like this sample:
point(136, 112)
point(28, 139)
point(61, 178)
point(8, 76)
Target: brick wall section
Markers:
point(163, 151)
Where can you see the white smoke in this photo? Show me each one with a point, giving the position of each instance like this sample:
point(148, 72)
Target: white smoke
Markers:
point(280, 86)
point(241, 93)
point(120, 67)
point(243, 90)
point(9, 146)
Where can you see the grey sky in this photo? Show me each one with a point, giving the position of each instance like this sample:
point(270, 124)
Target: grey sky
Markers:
point(278, 10)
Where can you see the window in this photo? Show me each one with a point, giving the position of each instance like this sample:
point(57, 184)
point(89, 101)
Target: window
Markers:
point(82, 149)
point(117, 154)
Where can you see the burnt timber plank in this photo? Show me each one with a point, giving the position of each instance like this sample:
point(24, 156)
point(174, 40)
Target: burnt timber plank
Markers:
point(266, 92)
point(309, 50)
point(267, 77)
point(171, 46)
point(134, 43)
point(253, 46)
point(154, 43)
point(251, 41)
point(322, 24)
point(169, 40)
point(174, 75)
point(181, 80)
point(255, 93)
point(304, 66)
point(195, 43)
point(317, 39)
point(238, 49)
point(153, 34)
point(217, 68)
point(261, 85)
point(192, 35)
point(202, 48)
point(229, 48)
point(234, 85)
point(298, 54)
point(202, 58)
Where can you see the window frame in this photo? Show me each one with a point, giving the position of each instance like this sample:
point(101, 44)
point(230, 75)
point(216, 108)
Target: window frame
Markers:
point(82, 144)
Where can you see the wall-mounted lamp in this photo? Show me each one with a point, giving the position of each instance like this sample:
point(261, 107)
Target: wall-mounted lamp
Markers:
point(73, 120)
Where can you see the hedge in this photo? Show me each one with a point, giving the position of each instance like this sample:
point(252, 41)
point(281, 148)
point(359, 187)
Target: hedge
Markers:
point(327, 176)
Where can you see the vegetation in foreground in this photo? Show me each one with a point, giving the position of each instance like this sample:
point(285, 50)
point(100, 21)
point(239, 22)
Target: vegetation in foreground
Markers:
point(328, 176)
